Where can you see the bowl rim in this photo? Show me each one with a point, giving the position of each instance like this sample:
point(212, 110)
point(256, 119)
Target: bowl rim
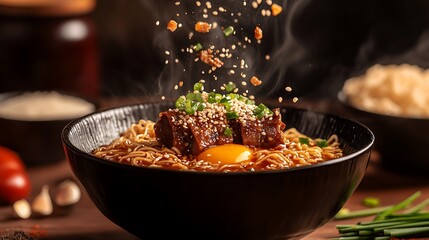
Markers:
point(345, 101)
point(67, 143)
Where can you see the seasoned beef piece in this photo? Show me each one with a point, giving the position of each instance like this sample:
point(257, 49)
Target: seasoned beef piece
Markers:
point(265, 133)
point(207, 133)
point(192, 134)
point(171, 132)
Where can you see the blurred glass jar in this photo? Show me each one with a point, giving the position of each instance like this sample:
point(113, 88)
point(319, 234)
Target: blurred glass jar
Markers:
point(49, 45)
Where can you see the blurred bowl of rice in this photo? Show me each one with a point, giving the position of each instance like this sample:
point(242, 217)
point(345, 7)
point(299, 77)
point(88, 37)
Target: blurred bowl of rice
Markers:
point(31, 123)
point(393, 101)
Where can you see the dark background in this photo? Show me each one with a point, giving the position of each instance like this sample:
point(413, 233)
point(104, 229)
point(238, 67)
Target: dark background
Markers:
point(314, 46)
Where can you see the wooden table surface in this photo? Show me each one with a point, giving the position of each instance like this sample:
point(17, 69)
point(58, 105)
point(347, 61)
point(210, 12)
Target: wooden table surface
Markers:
point(84, 221)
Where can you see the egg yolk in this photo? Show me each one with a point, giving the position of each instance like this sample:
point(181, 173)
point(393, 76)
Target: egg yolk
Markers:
point(226, 154)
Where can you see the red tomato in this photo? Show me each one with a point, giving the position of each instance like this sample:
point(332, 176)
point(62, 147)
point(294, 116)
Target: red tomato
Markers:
point(10, 160)
point(14, 185)
point(14, 180)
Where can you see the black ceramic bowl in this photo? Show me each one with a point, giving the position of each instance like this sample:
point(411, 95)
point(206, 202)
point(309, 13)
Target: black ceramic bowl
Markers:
point(166, 204)
point(401, 141)
point(38, 142)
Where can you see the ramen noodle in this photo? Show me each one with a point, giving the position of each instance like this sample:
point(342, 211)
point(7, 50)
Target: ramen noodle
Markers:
point(399, 90)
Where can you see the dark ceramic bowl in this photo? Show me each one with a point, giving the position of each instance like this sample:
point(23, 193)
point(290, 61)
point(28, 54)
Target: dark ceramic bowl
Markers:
point(38, 142)
point(401, 141)
point(166, 204)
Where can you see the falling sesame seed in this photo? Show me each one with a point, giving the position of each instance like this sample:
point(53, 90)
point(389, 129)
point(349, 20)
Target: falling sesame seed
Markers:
point(222, 9)
point(166, 61)
point(177, 3)
point(157, 23)
point(215, 13)
point(295, 99)
point(244, 83)
point(280, 99)
point(209, 5)
point(198, 3)
point(167, 53)
point(289, 89)
point(267, 57)
point(254, 4)
point(176, 87)
point(176, 60)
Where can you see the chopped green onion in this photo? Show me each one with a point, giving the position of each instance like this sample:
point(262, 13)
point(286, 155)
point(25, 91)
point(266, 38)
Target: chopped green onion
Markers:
point(304, 140)
point(198, 87)
point(198, 47)
point(322, 143)
point(190, 111)
point(214, 97)
point(228, 31)
point(371, 202)
point(181, 103)
point(250, 102)
point(228, 132)
point(231, 115)
point(230, 87)
point(200, 106)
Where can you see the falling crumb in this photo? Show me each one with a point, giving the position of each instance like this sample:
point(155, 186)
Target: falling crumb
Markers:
point(295, 99)
point(258, 33)
point(208, 58)
point(172, 25)
point(276, 9)
point(181, 84)
point(255, 81)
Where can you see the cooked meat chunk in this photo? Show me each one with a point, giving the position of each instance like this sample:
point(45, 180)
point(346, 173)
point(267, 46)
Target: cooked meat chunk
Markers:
point(192, 134)
point(264, 133)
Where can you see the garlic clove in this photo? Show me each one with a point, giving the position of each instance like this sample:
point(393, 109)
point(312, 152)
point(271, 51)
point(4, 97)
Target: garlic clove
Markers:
point(68, 193)
point(42, 203)
point(22, 208)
